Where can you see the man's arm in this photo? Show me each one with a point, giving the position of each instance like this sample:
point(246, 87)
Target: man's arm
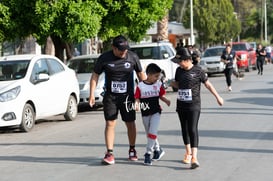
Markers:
point(141, 76)
point(93, 84)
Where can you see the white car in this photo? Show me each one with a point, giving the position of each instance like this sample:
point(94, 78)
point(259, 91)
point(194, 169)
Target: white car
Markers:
point(83, 66)
point(211, 60)
point(159, 53)
point(34, 87)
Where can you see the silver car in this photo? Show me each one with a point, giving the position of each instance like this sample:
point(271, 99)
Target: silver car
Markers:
point(84, 66)
point(211, 60)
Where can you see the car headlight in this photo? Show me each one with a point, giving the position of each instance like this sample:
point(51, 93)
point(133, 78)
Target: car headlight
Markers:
point(10, 94)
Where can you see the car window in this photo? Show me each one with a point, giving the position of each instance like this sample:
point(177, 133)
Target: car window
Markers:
point(83, 65)
point(169, 50)
point(39, 67)
point(253, 45)
point(213, 52)
point(11, 70)
point(239, 47)
point(164, 53)
point(55, 66)
point(147, 52)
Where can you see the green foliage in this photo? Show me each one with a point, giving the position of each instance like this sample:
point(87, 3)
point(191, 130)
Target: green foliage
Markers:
point(254, 25)
point(132, 17)
point(72, 21)
point(21, 22)
point(4, 20)
point(214, 20)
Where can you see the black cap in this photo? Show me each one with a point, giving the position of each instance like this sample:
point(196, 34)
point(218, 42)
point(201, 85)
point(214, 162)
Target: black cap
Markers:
point(121, 43)
point(181, 54)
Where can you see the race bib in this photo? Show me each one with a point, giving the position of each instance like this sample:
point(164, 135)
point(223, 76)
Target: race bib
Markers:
point(184, 95)
point(119, 87)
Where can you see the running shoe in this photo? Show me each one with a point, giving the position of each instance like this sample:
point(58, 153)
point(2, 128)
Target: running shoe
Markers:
point(132, 154)
point(147, 159)
point(229, 88)
point(187, 159)
point(108, 159)
point(158, 154)
point(194, 163)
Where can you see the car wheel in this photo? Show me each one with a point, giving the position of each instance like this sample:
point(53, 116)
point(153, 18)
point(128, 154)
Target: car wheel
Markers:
point(28, 118)
point(71, 110)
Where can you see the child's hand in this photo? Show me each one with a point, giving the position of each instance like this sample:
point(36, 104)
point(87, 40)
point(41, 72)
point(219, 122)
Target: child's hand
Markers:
point(137, 106)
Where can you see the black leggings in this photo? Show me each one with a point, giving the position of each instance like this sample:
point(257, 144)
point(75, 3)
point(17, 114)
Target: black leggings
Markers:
point(189, 127)
point(228, 73)
point(260, 63)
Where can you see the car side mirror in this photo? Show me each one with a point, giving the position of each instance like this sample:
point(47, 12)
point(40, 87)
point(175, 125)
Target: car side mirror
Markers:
point(41, 78)
point(165, 55)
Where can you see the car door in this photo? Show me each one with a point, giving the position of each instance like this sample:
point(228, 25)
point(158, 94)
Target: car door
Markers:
point(60, 83)
point(42, 90)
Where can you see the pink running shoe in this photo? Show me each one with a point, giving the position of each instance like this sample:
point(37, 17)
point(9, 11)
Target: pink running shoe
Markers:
point(133, 155)
point(108, 159)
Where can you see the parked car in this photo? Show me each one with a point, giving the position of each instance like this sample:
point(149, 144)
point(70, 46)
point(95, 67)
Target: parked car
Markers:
point(83, 66)
point(246, 56)
point(211, 60)
point(159, 53)
point(33, 87)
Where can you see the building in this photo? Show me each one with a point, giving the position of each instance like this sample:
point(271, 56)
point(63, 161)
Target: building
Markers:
point(177, 34)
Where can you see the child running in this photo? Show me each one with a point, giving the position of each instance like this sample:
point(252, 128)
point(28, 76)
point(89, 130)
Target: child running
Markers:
point(147, 97)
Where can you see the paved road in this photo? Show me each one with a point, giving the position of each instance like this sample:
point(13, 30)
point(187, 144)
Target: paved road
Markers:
point(236, 142)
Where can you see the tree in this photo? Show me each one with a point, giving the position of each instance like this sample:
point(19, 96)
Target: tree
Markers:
point(4, 20)
point(251, 15)
point(178, 10)
point(246, 11)
point(67, 22)
point(20, 24)
point(73, 21)
point(131, 17)
point(214, 20)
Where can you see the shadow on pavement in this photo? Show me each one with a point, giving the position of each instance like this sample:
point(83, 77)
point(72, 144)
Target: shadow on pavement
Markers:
point(264, 101)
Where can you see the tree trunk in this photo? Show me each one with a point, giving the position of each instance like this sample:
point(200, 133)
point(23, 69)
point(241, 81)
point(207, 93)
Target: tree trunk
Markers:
point(162, 29)
point(49, 47)
point(59, 47)
point(19, 48)
point(68, 50)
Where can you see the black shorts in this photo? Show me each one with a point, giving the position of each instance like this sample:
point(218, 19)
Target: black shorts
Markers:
point(123, 103)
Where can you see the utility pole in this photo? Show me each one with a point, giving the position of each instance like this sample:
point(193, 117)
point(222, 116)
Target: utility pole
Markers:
point(265, 22)
point(192, 36)
point(262, 21)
